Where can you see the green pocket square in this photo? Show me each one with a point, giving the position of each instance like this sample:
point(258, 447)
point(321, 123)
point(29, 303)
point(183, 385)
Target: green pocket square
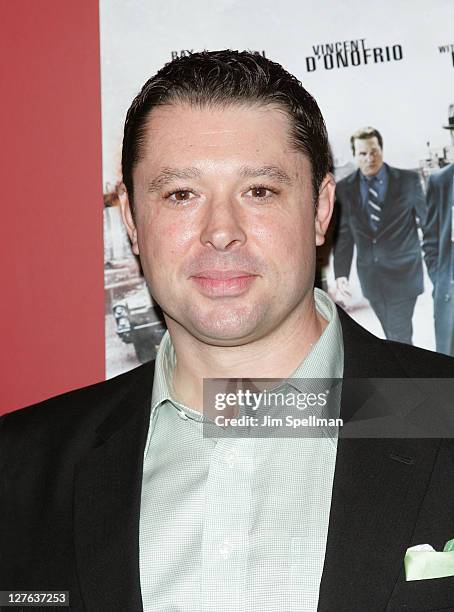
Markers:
point(423, 562)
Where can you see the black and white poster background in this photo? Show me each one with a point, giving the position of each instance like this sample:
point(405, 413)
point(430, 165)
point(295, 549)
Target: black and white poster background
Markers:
point(389, 65)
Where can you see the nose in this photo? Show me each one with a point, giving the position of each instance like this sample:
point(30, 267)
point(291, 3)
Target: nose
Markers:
point(222, 226)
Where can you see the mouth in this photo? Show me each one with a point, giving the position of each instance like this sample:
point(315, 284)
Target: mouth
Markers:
point(225, 283)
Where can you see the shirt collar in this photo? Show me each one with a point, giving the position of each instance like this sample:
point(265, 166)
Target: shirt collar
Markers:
point(163, 380)
point(325, 360)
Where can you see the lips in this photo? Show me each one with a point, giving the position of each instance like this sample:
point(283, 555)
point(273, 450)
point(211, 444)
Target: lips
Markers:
point(223, 283)
point(222, 274)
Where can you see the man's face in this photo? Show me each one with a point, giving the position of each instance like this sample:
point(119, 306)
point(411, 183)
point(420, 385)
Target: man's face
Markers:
point(224, 220)
point(368, 155)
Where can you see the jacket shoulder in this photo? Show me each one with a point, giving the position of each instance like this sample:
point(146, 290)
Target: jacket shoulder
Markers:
point(88, 405)
point(403, 173)
point(347, 181)
point(421, 363)
point(370, 357)
point(442, 176)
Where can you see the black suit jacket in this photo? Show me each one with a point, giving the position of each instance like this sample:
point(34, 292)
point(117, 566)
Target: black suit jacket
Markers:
point(71, 470)
point(389, 262)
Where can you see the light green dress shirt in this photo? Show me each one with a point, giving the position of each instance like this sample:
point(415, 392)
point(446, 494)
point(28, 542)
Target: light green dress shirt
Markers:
point(235, 524)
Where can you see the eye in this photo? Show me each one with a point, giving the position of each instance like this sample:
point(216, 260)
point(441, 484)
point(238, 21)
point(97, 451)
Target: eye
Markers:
point(260, 192)
point(180, 195)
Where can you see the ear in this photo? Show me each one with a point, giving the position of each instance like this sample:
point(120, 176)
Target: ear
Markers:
point(128, 218)
point(325, 208)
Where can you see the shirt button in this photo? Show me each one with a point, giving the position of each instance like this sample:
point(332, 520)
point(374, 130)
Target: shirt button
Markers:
point(225, 550)
point(230, 458)
point(375, 259)
point(374, 241)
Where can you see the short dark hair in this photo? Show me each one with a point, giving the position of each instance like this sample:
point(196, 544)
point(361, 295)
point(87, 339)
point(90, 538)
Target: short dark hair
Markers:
point(363, 134)
point(220, 78)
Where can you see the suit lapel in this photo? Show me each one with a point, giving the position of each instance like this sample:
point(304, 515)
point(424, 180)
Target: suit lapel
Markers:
point(359, 212)
point(378, 487)
point(108, 486)
point(391, 194)
point(357, 208)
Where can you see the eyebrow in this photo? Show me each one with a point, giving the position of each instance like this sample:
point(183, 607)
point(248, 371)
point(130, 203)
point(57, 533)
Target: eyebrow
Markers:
point(272, 172)
point(167, 175)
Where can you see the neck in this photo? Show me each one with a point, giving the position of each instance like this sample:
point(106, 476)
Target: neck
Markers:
point(275, 355)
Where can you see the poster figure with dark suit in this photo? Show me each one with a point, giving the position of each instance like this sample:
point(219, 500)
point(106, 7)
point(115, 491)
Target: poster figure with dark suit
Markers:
point(439, 249)
point(378, 208)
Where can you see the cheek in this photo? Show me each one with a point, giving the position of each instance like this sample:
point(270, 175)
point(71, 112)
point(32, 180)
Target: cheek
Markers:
point(165, 241)
point(289, 245)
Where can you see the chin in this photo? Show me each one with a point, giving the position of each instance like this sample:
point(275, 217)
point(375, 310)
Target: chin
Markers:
point(226, 328)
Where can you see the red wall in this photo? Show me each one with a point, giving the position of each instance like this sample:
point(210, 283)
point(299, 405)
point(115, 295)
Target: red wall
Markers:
point(52, 299)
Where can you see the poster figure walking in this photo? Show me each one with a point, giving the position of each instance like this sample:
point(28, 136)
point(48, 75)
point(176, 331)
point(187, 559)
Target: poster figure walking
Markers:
point(439, 248)
point(378, 208)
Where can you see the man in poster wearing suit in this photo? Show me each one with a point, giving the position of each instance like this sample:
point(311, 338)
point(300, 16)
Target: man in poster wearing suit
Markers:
point(378, 207)
point(439, 249)
point(114, 493)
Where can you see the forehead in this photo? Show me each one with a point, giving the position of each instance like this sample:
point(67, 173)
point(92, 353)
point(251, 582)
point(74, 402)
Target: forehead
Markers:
point(179, 134)
point(366, 144)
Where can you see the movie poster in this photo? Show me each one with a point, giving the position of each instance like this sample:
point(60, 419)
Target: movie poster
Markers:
point(383, 72)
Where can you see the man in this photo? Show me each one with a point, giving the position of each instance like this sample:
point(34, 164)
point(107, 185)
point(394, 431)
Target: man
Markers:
point(378, 210)
point(439, 249)
point(113, 492)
